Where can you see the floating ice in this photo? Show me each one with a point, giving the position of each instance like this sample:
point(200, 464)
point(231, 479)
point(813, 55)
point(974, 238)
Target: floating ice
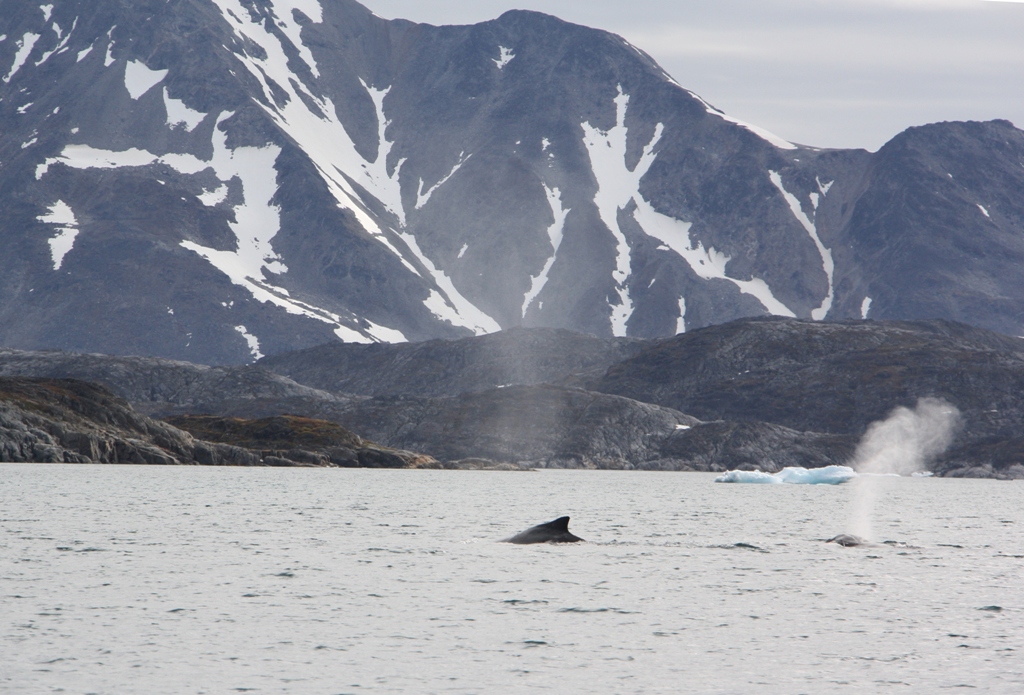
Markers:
point(828, 475)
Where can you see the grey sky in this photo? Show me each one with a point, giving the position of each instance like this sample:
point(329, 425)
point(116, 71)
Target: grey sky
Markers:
point(830, 73)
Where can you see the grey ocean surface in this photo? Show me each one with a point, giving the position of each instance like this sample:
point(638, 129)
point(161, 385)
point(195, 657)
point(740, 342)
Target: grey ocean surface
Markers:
point(124, 579)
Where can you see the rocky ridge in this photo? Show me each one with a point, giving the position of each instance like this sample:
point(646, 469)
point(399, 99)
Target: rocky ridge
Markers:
point(72, 421)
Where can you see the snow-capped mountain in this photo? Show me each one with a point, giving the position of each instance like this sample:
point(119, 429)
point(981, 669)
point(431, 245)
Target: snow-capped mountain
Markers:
point(215, 180)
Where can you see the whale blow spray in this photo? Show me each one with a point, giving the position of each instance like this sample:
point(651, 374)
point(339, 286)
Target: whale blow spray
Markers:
point(899, 445)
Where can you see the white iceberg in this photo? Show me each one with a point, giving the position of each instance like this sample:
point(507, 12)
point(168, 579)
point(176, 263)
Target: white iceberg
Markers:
point(828, 475)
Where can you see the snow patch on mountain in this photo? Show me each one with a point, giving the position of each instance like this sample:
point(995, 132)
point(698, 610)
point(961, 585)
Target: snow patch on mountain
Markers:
point(865, 307)
point(252, 341)
point(422, 198)
point(449, 304)
point(87, 157)
point(285, 11)
point(313, 123)
point(47, 11)
point(108, 60)
point(707, 264)
point(25, 46)
point(381, 183)
point(506, 56)
point(617, 186)
point(60, 47)
point(178, 114)
point(82, 54)
point(257, 221)
point(828, 264)
point(63, 217)
point(771, 138)
point(984, 211)
point(681, 322)
point(215, 197)
point(139, 79)
point(555, 231)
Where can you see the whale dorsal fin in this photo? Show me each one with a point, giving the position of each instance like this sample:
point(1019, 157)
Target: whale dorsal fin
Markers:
point(559, 524)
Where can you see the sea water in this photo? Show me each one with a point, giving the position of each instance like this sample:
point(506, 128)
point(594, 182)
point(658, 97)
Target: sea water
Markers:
point(124, 579)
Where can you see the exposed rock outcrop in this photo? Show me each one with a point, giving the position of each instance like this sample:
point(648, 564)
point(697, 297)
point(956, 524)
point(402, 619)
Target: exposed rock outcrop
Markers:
point(71, 421)
point(291, 440)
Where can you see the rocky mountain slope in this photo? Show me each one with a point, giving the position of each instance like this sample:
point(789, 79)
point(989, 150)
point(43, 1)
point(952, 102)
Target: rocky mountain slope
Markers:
point(217, 180)
point(755, 393)
point(839, 377)
point(161, 387)
point(829, 377)
point(521, 357)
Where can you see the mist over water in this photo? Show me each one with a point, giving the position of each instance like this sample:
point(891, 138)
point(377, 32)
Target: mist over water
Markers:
point(900, 445)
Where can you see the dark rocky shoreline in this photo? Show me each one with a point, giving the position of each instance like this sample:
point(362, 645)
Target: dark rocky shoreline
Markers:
point(752, 394)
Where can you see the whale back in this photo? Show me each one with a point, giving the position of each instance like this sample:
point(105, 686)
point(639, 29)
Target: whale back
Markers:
point(556, 531)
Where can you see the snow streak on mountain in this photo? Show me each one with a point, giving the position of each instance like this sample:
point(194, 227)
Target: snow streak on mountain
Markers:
point(215, 180)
